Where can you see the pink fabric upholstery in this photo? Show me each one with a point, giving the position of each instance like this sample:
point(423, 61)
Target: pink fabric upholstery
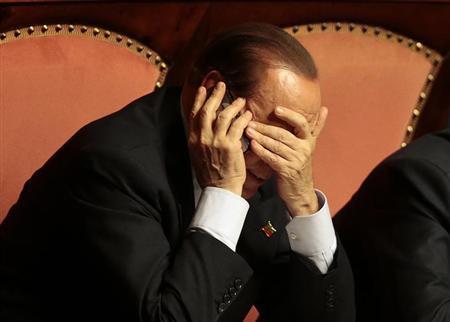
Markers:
point(49, 88)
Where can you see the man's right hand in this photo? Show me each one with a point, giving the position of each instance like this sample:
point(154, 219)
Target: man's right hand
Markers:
point(215, 140)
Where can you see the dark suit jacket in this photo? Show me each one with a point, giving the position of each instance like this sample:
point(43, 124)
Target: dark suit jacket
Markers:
point(396, 230)
point(100, 234)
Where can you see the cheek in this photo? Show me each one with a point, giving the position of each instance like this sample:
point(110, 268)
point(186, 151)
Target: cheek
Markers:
point(254, 164)
point(251, 186)
point(251, 159)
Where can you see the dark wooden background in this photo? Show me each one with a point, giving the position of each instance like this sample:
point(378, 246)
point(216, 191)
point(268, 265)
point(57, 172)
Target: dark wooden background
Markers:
point(176, 29)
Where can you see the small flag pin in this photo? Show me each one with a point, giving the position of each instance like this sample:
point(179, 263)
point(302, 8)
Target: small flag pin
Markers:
point(268, 229)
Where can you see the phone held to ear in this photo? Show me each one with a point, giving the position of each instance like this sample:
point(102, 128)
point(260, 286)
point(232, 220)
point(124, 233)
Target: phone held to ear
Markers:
point(227, 100)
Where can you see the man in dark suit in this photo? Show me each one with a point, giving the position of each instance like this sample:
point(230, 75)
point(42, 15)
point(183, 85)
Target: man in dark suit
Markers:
point(396, 230)
point(155, 213)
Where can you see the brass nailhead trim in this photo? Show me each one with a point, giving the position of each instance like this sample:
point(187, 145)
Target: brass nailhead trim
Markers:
point(432, 56)
point(82, 30)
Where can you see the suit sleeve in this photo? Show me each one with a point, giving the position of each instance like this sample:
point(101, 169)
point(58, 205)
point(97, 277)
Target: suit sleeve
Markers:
point(399, 227)
point(295, 290)
point(139, 274)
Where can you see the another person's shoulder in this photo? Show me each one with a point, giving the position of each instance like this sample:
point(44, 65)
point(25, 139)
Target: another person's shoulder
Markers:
point(419, 172)
point(423, 157)
point(432, 150)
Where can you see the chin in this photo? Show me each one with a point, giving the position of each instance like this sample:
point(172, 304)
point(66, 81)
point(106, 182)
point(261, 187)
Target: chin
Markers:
point(250, 188)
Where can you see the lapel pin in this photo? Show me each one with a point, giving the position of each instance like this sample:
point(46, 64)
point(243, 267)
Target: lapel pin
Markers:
point(268, 229)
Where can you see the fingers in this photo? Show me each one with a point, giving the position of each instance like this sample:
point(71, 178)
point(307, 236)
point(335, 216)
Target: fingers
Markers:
point(296, 120)
point(323, 114)
point(207, 114)
point(238, 126)
point(199, 100)
point(276, 133)
point(226, 116)
point(274, 161)
point(272, 145)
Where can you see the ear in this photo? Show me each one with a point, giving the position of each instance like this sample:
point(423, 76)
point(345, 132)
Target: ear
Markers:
point(211, 79)
point(323, 114)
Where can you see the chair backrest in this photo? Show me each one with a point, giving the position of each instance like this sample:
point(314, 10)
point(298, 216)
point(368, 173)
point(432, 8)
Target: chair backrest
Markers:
point(374, 83)
point(53, 80)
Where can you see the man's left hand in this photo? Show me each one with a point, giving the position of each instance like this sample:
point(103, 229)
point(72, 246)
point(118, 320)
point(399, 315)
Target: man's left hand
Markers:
point(290, 156)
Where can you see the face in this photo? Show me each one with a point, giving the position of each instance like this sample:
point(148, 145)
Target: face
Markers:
point(279, 87)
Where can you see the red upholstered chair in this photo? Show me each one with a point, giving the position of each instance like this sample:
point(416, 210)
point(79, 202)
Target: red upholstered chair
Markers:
point(53, 80)
point(374, 83)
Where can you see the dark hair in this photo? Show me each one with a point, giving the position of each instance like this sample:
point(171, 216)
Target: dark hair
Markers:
point(243, 52)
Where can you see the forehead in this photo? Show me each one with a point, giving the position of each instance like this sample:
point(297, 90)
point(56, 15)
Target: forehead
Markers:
point(281, 87)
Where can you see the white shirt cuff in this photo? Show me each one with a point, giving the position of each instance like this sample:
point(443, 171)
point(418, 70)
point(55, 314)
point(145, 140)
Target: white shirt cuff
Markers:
point(221, 213)
point(313, 236)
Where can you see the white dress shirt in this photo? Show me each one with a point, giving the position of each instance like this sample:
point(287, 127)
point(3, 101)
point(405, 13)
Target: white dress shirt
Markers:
point(221, 213)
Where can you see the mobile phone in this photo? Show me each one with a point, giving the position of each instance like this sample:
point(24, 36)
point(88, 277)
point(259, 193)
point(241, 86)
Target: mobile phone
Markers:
point(227, 100)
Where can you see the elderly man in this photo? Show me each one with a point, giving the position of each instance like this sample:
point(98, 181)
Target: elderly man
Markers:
point(188, 205)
